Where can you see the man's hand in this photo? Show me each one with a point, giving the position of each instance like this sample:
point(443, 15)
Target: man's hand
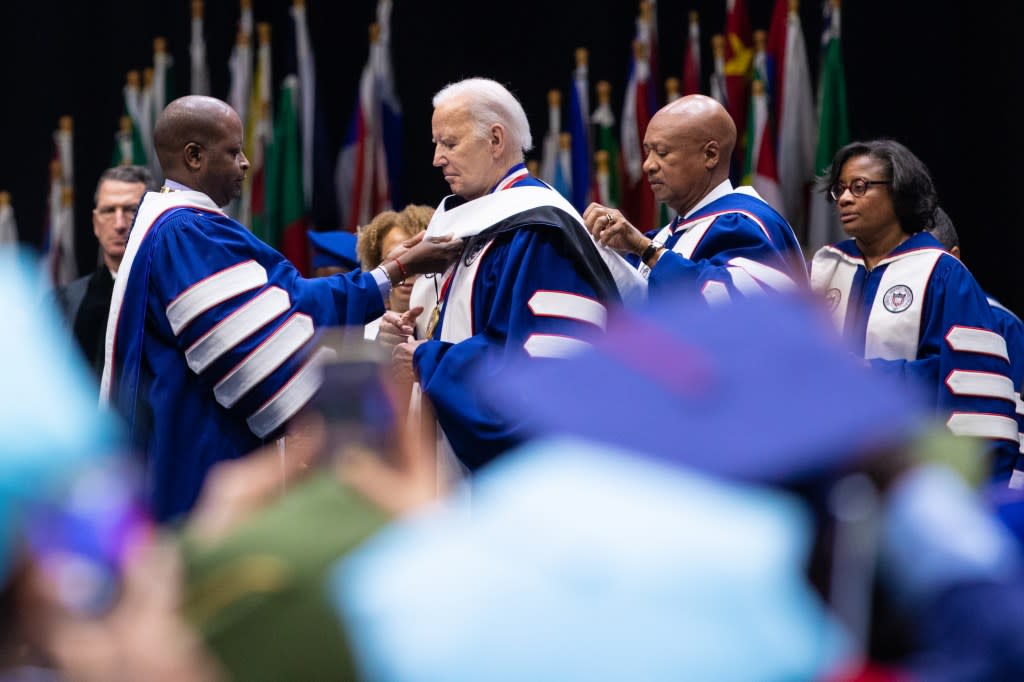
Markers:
point(421, 255)
point(611, 228)
point(398, 328)
point(401, 362)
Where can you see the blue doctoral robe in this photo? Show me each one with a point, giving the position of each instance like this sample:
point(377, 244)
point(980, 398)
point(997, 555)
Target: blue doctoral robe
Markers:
point(210, 341)
point(533, 285)
point(920, 315)
point(737, 245)
point(1012, 330)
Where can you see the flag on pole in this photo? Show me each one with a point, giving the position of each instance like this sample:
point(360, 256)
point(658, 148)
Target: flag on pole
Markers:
point(368, 171)
point(362, 172)
point(124, 143)
point(163, 76)
point(133, 110)
point(549, 150)
point(562, 181)
point(761, 170)
point(286, 217)
point(602, 177)
point(389, 141)
point(775, 56)
point(647, 34)
point(739, 55)
point(307, 96)
point(637, 198)
point(239, 92)
point(8, 227)
point(147, 118)
point(796, 123)
point(579, 128)
point(691, 58)
point(63, 144)
point(240, 65)
point(200, 82)
point(59, 238)
point(718, 89)
point(833, 127)
point(760, 70)
point(607, 191)
point(258, 136)
point(162, 93)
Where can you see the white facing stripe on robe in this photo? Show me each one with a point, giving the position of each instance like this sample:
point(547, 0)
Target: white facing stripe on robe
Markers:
point(237, 327)
point(568, 306)
point(214, 290)
point(983, 425)
point(972, 340)
point(267, 357)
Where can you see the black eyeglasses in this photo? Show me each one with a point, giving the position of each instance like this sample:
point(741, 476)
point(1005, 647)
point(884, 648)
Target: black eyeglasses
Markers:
point(858, 188)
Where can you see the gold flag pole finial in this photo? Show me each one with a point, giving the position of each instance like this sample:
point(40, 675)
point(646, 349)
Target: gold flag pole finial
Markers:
point(672, 88)
point(554, 98)
point(604, 92)
point(718, 45)
point(197, 9)
point(263, 30)
point(582, 56)
point(639, 50)
point(760, 40)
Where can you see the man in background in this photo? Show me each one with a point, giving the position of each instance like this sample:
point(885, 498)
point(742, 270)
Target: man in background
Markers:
point(86, 301)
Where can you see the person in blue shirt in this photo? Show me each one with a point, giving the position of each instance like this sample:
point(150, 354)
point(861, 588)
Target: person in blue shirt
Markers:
point(726, 242)
point(209, 341)
point(906, 305)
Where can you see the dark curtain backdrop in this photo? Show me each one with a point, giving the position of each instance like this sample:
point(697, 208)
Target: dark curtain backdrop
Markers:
point(942, 77)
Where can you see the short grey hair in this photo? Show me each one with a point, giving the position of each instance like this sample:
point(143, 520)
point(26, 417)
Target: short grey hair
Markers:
point(132, 174)
point(490, 102)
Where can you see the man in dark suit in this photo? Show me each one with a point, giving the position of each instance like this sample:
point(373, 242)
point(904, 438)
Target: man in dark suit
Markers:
point(86, 301)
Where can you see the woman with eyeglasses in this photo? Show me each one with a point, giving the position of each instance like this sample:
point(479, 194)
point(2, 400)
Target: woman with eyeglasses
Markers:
point(906, 305)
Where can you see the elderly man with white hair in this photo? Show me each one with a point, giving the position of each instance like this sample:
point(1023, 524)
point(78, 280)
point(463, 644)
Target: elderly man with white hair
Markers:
point(531, 280)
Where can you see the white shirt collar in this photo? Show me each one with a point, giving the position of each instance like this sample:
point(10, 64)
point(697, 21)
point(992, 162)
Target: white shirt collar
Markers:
point(717, 193)
point(171, 184)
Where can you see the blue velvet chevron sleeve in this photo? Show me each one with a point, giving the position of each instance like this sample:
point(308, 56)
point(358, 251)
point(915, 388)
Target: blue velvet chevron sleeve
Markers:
point(1012, 330)
point(963, 361)
point(243, 317)
point(736, 257)
point(528, 299)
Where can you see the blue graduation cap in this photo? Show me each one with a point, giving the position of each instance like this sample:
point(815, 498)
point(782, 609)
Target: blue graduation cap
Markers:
point(758, 390)
point(336, 248)
point(50, 423)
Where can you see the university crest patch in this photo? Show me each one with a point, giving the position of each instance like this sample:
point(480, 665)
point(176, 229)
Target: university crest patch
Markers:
point(898, 298)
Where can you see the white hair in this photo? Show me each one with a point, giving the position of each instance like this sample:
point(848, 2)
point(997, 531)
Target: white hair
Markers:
point(490, 103)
